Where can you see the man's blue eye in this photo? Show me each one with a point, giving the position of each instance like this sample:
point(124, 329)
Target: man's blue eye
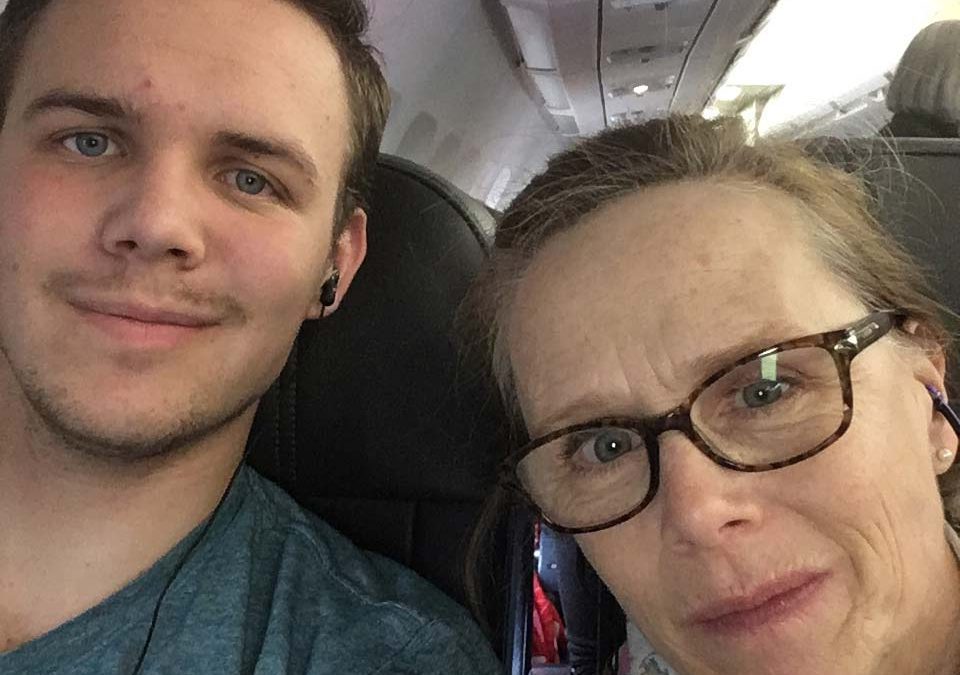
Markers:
point(251, 182)
point(88, 144)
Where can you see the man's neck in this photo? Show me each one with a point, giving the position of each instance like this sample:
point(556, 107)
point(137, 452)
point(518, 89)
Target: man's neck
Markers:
point(75, 530)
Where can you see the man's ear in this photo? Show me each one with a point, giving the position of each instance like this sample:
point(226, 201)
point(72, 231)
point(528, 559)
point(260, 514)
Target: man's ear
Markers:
point(347, 255)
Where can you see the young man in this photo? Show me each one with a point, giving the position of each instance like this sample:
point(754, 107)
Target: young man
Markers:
point(182, 184)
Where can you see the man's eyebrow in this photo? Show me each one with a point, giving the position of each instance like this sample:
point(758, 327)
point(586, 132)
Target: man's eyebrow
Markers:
point(108, 107)
point(283, 150)
point(91, 104)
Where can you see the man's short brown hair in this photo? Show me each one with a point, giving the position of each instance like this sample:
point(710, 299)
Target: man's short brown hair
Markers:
point(346, 23)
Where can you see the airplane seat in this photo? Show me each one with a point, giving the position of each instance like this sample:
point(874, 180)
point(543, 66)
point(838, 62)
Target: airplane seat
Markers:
point(923, 94)
point(380, 423)
point(917, 185)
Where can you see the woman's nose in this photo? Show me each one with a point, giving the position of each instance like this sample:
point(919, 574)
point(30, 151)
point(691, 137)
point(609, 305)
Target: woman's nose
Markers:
point(157, 217)
point(703, 505)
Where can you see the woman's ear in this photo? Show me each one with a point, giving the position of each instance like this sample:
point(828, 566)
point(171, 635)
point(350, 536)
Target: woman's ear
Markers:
point(942, 425)
point(930, 370)
point(943, 436)
point(931, 361)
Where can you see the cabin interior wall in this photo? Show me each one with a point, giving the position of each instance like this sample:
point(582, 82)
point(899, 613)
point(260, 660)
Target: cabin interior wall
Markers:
point(459, 106)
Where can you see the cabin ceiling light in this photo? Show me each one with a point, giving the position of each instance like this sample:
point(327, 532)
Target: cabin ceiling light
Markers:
point(641, 89)
point(729, 92)
point(633, 4)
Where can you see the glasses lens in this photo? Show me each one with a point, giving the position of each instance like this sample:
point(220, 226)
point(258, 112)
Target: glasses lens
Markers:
point(772, 409)
point(588, 477)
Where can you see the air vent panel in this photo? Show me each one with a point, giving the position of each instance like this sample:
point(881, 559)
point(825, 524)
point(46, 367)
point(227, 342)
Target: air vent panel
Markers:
point(567, 124)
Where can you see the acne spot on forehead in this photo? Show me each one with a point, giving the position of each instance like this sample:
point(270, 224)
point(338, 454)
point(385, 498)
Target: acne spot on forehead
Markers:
point(147, 83)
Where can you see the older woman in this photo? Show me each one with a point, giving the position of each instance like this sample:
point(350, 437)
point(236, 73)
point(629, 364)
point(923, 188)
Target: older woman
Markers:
point(732, 378)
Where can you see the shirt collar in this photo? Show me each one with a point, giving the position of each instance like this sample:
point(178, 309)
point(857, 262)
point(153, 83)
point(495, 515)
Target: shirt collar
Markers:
point(953, 539)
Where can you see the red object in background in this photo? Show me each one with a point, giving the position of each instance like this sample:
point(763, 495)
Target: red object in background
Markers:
point(549, 635)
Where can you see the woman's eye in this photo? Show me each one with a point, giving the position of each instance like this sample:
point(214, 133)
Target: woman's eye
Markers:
point(251, 182)
point(761, 393)
point(607, 445)
point(90, 144)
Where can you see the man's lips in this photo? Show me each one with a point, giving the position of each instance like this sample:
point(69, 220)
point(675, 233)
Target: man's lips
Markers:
point(147, 314)
point(765, 604)
point(142, 326)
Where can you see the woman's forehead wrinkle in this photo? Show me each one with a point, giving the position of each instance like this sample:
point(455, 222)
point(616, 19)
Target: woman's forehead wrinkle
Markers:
point(636, 306)
point(633, 381)
point(551, 372)
point(603, 360)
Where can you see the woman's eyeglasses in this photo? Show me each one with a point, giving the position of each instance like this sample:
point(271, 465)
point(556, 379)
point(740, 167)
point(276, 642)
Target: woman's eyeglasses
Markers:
point(769, 410)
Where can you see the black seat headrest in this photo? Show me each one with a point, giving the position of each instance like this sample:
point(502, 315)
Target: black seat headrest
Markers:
point(379, 422)
point(917, 185)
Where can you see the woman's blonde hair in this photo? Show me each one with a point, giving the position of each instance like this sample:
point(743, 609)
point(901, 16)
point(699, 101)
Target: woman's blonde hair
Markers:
point(599, 170)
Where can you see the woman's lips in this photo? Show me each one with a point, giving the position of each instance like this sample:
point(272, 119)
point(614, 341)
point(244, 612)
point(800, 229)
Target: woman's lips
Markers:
point(769, 604)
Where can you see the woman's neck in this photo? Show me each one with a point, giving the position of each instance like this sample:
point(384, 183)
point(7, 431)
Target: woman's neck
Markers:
point(933, 647)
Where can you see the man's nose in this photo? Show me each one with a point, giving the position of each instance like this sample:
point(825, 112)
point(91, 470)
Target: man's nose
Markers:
point(157, 216)
point(703, 504)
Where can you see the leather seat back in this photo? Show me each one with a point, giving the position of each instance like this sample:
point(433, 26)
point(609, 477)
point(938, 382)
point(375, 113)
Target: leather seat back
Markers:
point(380, 423)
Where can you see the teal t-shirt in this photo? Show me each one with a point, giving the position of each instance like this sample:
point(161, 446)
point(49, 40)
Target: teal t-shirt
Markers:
point(270, 589)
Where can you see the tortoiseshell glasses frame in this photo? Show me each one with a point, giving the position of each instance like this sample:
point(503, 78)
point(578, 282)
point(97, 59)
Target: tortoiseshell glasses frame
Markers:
point(843, 345)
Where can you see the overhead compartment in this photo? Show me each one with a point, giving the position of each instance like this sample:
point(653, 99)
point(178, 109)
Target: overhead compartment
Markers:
point(626, 60)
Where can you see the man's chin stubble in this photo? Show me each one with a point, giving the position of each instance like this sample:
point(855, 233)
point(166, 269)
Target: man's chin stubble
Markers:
point(60, 422)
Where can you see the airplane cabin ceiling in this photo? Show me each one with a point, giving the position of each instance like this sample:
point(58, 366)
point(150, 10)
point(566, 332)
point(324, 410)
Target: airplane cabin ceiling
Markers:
point(461, 106)
point(599, 62)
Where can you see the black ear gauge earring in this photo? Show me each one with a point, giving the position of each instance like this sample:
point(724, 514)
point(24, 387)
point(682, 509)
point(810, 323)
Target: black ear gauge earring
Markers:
point(328, 292)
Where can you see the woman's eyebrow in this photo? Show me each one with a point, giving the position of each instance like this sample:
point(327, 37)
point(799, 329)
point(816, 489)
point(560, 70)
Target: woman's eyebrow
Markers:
point(591, 405)
point(764, 335)
point(573, 412)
